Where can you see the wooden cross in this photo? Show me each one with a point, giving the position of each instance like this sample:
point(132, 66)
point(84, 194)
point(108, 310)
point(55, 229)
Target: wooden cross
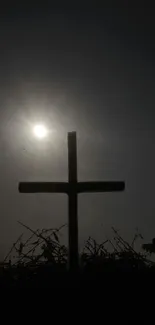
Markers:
point(72, 188)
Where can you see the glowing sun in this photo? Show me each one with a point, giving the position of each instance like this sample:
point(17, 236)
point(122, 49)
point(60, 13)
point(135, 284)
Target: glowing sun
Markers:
point(40, 131)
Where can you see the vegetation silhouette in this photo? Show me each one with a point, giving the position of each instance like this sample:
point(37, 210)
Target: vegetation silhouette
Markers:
point(41, 260)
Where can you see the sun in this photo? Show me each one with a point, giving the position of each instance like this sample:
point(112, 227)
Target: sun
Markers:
point(40, 131)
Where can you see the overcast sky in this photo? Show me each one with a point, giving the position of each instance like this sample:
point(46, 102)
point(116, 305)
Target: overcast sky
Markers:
point(92, 71)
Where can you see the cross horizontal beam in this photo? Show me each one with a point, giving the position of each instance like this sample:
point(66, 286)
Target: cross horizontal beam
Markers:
point(65, 187)
point(43, 187)
point(100, 186)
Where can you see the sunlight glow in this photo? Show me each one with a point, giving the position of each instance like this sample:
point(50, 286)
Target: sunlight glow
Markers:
point(40, 131)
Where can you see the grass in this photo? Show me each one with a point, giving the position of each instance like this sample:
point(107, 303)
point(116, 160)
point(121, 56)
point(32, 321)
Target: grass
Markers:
point(41, 260)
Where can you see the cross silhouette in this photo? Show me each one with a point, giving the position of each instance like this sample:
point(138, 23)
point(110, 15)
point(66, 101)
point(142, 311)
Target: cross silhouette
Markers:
point(72, 188)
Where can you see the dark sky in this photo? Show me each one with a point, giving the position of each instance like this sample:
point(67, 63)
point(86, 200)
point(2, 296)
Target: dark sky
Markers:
point(88, 69)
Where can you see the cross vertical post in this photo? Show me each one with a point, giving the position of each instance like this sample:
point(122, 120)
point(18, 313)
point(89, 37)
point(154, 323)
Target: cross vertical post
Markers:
point(72, 201)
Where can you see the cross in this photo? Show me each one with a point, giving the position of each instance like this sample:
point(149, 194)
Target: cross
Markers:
point(72, 188)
